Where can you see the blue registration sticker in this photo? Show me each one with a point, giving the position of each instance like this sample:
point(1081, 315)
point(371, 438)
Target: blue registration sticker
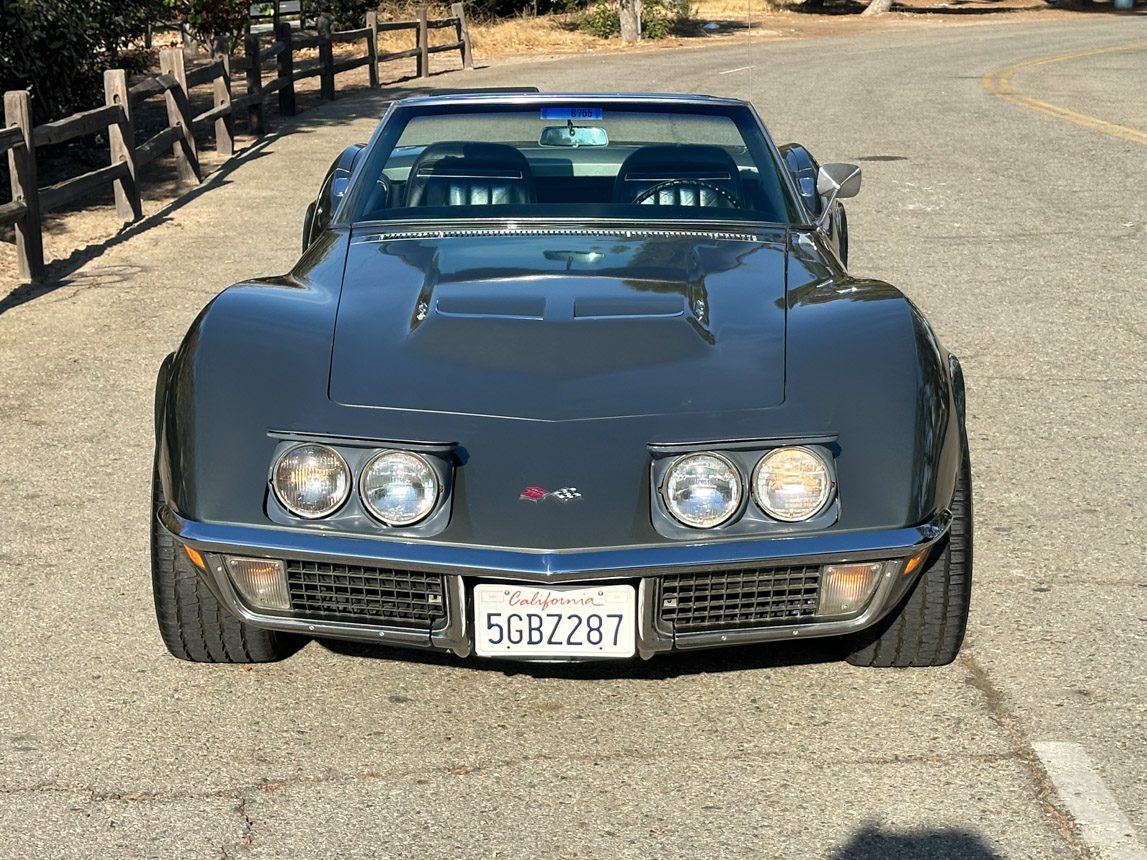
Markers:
point(571, 113)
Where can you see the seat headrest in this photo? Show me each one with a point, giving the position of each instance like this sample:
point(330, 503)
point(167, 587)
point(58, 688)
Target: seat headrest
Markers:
point(455, 172)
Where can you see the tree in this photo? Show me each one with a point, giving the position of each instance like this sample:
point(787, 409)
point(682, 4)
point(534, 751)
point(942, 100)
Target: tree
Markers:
point(877, 7)
point(630, 14)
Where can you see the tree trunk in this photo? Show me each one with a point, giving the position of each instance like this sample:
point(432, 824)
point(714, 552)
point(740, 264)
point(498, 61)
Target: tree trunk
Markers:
point(877, 7)
point(630, 13)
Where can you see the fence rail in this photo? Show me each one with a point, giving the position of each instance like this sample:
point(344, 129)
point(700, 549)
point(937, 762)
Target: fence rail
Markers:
point(19, 138)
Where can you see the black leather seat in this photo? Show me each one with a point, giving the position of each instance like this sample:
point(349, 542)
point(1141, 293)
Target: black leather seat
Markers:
point(684, 170)
point(463, 173)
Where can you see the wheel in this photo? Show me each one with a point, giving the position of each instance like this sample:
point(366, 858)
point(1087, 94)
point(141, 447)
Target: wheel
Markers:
point(192, 622)
point(928, 627)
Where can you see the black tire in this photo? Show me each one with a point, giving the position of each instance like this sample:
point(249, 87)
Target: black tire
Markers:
point(192, 622)
point(928, 627)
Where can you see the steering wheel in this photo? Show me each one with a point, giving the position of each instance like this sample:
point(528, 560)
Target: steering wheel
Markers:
point(699, 184)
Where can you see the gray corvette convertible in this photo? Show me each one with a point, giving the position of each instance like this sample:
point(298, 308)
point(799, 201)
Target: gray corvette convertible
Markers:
point(565, 377)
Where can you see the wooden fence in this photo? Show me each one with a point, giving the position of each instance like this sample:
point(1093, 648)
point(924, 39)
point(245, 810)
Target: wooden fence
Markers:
point(20, 139)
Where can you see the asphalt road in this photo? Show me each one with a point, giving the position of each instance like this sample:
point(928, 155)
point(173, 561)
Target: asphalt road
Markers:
point(1021, 234)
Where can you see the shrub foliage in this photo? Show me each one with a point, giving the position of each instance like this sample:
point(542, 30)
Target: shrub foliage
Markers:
point(343, 14)
point(212, 23)
point(59, 49)
point(659, 18)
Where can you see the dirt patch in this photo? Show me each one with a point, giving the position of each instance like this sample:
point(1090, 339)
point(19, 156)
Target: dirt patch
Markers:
point(75, 235)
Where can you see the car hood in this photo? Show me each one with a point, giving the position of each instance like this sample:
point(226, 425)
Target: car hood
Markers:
point(554, 327)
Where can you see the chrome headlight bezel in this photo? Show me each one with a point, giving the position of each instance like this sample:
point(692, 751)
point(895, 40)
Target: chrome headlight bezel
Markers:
point(338, 500)
point(736, 502)
point(424, 511)
point(823, 500)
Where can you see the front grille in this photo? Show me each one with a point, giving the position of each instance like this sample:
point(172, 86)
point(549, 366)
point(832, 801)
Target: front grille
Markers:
point(400, 598)
point(748, 597)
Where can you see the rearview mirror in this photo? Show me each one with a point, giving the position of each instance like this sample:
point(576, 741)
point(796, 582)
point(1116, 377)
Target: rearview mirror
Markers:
point(573, 135)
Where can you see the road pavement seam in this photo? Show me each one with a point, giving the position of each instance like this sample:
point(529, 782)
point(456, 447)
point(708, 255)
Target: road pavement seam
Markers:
point(1044, 787)
point(1094, 808)
point(244, 792)
point(998, 83)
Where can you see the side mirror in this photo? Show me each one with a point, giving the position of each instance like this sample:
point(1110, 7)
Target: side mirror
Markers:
point(835, 182)
point(838, 180)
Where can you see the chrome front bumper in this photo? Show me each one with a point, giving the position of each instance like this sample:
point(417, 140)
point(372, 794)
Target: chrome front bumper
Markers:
point(463, 565)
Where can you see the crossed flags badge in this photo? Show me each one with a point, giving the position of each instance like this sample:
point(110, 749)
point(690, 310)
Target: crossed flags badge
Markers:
point(540, 494)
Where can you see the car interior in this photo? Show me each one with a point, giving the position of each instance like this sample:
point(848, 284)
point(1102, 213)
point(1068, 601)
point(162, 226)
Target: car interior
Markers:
point(471, 174)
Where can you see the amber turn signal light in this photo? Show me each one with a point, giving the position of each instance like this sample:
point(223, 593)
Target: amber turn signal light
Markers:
point(196, 558)
point(915, 561)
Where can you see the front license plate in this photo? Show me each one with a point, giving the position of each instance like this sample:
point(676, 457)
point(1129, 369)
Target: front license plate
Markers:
point(564, 621)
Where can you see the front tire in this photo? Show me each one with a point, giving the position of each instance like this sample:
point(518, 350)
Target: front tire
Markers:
point(193, 623)
point(928, 628)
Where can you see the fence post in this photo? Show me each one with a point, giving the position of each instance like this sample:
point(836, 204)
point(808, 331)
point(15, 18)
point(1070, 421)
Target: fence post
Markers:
point(326, 60)
point(225, 125)
point(22, 169)
point(423, 43)
point(254, 85)
point(372, 48)
point(463, 31)
point(286, 69)
point(121, 143)
point(178, 116)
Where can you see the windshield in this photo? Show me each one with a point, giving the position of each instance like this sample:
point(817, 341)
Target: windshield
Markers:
point(591, 159)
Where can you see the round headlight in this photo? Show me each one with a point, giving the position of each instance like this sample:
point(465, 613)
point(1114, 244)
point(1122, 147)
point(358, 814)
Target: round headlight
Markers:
point(311, 481)
point(702, 490)
point(398, 487)
point(792, 484)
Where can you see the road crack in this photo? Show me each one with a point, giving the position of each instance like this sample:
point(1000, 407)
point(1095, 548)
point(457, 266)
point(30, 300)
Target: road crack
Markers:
point(247, 837)
point(1013, 730)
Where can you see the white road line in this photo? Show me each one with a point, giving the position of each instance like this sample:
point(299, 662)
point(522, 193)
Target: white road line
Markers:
point(1101, 821)
point(731, 71)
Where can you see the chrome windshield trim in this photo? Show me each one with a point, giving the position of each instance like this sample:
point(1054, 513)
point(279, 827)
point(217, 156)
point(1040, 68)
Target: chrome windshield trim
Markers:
point(605, 227)
point(568, 565)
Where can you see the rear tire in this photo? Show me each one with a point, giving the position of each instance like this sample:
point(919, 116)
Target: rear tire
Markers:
point(193, 623)
point(928, 627)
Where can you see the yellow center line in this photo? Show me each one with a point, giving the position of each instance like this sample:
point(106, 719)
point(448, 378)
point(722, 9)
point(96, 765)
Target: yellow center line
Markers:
point(998, 82)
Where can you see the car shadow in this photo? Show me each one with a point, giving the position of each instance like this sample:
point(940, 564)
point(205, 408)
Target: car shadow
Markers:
point(663, 666)
point(872, 843)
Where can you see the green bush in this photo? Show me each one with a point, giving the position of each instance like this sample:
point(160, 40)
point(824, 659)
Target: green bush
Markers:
point(602, 19)
point(343, 14)
point(59, 49)
point(212, 23)
point(659, 18)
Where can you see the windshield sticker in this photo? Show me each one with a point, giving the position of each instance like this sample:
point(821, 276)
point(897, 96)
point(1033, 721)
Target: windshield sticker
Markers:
point(571, 113)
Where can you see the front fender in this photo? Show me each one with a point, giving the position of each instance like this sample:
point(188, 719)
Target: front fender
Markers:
point(246, 355)
point(862, 355)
